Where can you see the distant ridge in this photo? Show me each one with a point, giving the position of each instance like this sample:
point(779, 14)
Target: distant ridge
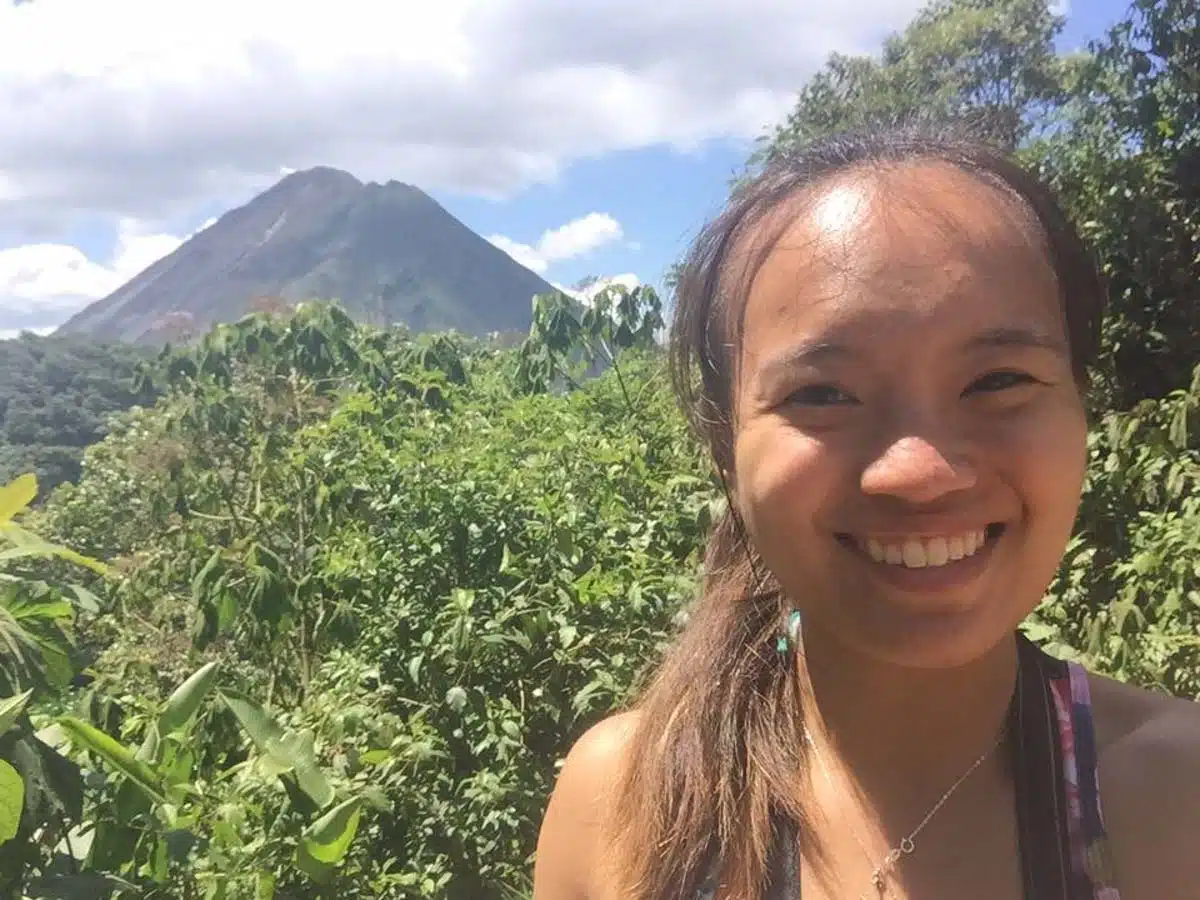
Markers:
point(389, 253)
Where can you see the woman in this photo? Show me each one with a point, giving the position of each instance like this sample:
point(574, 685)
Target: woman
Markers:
point(884, 341)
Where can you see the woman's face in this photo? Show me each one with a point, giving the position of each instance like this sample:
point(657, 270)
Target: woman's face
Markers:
point(910, 440)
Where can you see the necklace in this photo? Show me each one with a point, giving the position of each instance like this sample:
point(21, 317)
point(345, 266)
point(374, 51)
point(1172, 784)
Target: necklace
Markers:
point(882, 873)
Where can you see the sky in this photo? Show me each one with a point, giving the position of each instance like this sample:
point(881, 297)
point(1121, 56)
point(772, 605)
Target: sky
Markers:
point(584, 139)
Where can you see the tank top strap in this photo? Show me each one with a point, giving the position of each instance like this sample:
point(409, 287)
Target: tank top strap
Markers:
point(1039, 793)
point(1091, 857)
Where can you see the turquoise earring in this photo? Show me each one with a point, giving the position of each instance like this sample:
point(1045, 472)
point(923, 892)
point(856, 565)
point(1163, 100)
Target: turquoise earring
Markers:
point(791, 635)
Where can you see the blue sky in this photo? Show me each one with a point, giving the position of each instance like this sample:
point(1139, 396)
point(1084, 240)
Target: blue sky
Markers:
point(613, 132)
point(661, 197)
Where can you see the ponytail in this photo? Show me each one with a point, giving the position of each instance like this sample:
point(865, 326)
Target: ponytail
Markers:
point(713, 760)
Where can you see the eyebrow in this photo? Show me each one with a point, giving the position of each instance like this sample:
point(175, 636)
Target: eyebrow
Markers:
point(800, 355)
point(1032, 338)
point(816, 352)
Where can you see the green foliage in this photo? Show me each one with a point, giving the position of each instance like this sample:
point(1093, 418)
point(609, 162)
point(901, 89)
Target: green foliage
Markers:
point(39, 790)
point(1128, 595)
point(569, 339)
point(1127, 163)
point(988, 62)
point(56, 396)
point(411, 576)
point(34, 618)
point(147, 810)
point(12, 801)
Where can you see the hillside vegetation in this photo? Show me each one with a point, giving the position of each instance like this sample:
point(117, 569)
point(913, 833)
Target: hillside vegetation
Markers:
point(358, 590)
point(56, 396)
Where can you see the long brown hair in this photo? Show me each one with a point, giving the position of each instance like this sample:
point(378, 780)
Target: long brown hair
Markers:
point(711, 771)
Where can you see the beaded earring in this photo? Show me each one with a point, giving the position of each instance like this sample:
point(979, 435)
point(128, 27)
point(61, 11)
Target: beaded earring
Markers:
point(790, 635)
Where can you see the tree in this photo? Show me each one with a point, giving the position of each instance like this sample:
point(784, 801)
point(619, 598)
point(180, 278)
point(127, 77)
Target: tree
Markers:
point(1127, 165)
point(56, 395)
point(988, 62)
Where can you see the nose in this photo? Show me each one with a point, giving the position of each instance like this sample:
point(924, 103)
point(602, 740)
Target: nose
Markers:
point(915, 470)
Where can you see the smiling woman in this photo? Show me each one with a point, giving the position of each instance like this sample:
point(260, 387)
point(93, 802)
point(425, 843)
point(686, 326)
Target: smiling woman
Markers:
point(885, 343)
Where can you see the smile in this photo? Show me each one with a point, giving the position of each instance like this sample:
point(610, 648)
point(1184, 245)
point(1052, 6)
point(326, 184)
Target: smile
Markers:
point(926, 562)
point(919, 552)
point(924, 551)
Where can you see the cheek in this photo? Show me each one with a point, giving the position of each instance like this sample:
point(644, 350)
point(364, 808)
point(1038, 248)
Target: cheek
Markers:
point(1045, 457)
point(782, 475)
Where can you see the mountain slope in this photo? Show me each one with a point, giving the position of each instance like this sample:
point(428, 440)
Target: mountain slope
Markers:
point(389, 253)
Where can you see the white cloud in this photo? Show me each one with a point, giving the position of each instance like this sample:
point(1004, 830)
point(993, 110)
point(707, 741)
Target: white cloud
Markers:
point(522, 253)
point(580, 236)
point(40, 282)
point(50, 276)
point(576, 238)
point(10, 333)
point(586, 294)
point(144, 109)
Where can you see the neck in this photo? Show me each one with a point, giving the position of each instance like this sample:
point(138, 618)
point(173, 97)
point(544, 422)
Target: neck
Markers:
point(902, 733)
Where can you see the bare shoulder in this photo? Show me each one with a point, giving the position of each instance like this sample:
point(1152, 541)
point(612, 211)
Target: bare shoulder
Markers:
point(570, 841)
point(1149, 769)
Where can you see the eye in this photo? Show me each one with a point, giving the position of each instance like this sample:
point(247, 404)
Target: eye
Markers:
point(1001, 380)
point(821, 395)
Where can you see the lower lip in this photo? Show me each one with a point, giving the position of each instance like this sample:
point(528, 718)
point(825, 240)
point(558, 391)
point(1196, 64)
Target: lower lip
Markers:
point(951, 576)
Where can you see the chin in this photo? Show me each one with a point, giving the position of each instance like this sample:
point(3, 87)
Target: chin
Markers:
point(934, 639)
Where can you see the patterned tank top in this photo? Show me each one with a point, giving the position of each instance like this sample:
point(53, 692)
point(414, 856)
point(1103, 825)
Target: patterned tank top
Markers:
point(1090, 859)
point(1064, 852)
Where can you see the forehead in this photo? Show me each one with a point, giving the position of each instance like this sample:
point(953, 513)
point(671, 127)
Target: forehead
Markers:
point(913, 257)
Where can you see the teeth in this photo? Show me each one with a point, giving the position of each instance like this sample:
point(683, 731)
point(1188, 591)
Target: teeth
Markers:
point(920, 553)
point(937, 553)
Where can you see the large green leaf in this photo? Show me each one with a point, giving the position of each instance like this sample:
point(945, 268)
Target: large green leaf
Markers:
point(25, 543)
point(284, 751)
point(33, 642)
point(53, 784)
point(12, 801)
point(148, 752)
point(115, 755)
point(11, 709)
point(85, 599)
point(16, 496)
point(186, 699)
point(326, 841)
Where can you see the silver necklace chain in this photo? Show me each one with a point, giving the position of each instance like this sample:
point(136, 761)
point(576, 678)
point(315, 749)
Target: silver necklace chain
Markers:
point(881, 873)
